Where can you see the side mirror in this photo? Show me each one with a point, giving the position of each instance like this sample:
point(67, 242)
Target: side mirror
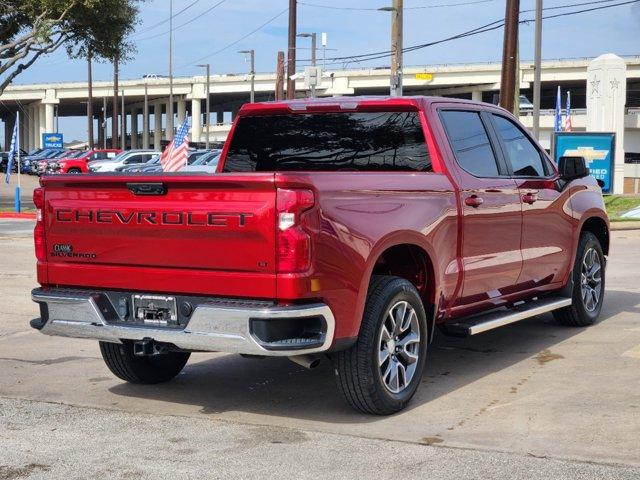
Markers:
point(571, 168)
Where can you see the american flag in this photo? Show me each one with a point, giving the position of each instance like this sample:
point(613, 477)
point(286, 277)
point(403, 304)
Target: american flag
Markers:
point(174, 157)
point(567, 121)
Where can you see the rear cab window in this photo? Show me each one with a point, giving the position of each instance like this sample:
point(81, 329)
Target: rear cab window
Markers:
point(361, 141)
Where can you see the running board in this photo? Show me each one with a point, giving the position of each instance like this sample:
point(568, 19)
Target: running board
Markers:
point(499, 318)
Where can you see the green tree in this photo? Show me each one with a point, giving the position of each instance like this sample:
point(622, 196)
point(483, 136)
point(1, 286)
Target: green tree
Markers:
point(30, 29)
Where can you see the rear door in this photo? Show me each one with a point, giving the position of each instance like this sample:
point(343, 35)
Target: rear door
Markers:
point(178, 233)
point(547, 230)
point(492, 217)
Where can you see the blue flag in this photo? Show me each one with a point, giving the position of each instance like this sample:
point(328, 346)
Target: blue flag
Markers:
point(13, 150)
point(557, 123)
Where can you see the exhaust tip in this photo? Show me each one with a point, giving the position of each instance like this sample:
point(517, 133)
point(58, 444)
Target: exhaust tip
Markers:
point(307, 361)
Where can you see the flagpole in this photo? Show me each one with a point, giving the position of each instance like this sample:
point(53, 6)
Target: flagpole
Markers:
point(18, 189)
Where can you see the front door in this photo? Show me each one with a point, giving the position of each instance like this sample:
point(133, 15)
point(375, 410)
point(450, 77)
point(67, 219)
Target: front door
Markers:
point(492, 212)
point(547, 230)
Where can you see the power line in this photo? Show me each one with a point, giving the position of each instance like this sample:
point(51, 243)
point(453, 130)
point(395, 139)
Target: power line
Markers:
point(482, 29)
point(182, 24)
point(162, 22)
point(363, 9)
point(229, 45)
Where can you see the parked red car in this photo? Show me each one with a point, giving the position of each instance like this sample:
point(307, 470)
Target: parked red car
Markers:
point(79, 165)
point(351, 227)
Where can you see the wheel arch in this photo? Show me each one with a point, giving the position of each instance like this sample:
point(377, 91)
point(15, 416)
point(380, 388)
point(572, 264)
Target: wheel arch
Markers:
point(410, 259)
point(600, 228)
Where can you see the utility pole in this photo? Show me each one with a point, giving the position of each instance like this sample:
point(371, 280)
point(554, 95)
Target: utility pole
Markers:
point(89, 101)
point(537, 70)
point(170, 109)
point(252, 72)
point(207, 68)
point(123, 128)
point(279, 92)
point(395, 87)
point(291, 52)
point(114, 114)
point(509, 55)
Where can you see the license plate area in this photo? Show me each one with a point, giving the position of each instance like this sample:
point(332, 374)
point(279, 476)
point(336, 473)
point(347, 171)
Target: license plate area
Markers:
point(157, 310)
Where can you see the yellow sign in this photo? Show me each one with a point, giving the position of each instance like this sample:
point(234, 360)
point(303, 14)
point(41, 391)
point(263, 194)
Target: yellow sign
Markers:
point(424, 76)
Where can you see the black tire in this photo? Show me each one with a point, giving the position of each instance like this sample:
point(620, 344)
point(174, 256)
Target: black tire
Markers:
point(357, 369)
point(134, 369)
point(579, 314)
point(74, 170)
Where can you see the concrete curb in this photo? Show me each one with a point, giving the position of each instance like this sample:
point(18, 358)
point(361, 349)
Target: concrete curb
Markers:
point(625, 225)
point(30, 216)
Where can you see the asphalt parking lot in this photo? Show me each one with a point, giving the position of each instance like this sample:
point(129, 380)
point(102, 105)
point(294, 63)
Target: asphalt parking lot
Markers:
point(530, 400)
point(7, 191)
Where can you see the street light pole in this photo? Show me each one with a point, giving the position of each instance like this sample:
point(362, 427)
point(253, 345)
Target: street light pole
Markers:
point(252, 73)
point(145, 117)
point(537, 73)
point(313, 56)
point(104, 122)
point(207, 67)
point(170, 109)
point(123, 127)
point(396, 10)
point(89, 101)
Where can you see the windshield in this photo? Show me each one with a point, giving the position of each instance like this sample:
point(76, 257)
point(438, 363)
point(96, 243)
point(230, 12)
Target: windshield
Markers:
point(368, 141)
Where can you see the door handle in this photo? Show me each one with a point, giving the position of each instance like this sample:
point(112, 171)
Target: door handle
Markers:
point(473, 201)
point(530, 197)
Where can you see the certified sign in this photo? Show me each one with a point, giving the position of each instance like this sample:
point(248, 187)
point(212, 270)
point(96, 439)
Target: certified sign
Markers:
point(424, 76)
point(597, 149)
point(52, 140)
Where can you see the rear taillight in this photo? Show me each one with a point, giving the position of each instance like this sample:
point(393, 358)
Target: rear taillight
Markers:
point(293, 241)
point(38, 231)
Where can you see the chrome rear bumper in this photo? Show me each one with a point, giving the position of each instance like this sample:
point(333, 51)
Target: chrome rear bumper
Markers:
point(211, 327)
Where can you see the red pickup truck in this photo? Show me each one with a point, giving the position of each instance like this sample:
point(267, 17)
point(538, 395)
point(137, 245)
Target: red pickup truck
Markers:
point(344, 227)
point(79, 165)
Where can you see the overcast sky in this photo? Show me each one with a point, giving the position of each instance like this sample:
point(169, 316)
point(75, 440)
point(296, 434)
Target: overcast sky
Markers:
point(207, 34)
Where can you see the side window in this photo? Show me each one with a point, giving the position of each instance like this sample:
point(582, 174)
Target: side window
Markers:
point(110, 154)
point(470, 142)
point(520, 152)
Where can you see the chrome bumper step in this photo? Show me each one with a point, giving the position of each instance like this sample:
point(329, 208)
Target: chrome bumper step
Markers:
point(498, 318)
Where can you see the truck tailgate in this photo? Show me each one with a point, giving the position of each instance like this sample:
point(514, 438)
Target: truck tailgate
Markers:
point(162, 233)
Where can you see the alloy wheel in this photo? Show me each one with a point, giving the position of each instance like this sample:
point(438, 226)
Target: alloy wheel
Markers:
point(591, 279)
point(399, 346)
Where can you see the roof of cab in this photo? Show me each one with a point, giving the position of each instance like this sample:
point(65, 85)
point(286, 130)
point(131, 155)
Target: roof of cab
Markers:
point(348, 103)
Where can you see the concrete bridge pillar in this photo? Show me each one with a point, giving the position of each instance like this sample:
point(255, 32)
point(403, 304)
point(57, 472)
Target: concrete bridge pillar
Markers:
point(157, 126)
point(134, 127)
point(42, 119)
point(196, 120)
point(49, 118)
point(24, 132)
point(9, 124)
point(145, 125)
point(33, 127)
point(182, 109)
point(169, 123)
point(476, 95)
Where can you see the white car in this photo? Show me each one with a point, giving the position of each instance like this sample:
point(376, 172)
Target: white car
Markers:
point(129, 157)
point(633, 213)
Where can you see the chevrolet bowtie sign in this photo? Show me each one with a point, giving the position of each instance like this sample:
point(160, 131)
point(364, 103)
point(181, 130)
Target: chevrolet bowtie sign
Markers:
point(52, 140)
